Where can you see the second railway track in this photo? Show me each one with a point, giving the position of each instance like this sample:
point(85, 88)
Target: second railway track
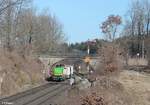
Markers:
point(37, 95)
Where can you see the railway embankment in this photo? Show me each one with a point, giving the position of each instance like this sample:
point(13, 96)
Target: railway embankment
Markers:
point(18, 73)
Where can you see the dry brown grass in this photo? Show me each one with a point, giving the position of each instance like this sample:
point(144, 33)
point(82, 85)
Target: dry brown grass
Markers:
point(18, 71)
point(107, 91)
point(137, 61)
point(137, 85)
point(130, 88)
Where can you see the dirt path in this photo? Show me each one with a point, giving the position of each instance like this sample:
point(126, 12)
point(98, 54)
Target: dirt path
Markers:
point(138, 85)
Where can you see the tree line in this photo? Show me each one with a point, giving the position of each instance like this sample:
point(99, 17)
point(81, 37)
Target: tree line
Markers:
point(24, 29)
point(132, 33)
point(27, 31)
point(137, 28)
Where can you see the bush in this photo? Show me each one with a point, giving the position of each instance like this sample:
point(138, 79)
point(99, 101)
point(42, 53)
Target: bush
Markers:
point(110, 63)
point(93, 99)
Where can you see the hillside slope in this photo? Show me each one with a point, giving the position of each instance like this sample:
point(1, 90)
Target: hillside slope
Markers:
point(18, 73)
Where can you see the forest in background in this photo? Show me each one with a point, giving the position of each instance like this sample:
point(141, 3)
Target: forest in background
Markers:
point(27, 31)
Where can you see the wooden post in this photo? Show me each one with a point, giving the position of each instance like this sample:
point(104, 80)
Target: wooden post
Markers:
point(143, 47)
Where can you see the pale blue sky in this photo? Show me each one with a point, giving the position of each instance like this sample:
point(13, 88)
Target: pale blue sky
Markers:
point(81, 18)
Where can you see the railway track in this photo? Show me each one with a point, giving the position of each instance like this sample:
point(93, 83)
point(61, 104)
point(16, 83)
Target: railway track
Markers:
point(42, 95)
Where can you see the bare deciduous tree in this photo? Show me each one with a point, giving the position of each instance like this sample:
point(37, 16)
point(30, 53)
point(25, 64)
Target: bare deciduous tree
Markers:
point(137, 26)
point(25, 31)
point(109, 27)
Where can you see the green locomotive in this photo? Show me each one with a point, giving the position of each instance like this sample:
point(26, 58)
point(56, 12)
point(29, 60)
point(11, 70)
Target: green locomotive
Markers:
point(57, 73)
point(61, 72)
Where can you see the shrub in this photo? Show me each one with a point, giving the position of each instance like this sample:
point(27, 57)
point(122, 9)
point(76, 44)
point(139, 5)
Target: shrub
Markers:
point(110, 63)
point(93, 99)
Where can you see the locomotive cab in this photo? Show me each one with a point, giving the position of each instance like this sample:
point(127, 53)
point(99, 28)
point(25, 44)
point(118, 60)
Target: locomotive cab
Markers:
point(61, 72)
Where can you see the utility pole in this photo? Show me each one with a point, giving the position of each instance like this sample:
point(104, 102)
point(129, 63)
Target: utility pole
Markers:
point(88, 50)
point(88, 47)
point(87, 59)
point(143, 47)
